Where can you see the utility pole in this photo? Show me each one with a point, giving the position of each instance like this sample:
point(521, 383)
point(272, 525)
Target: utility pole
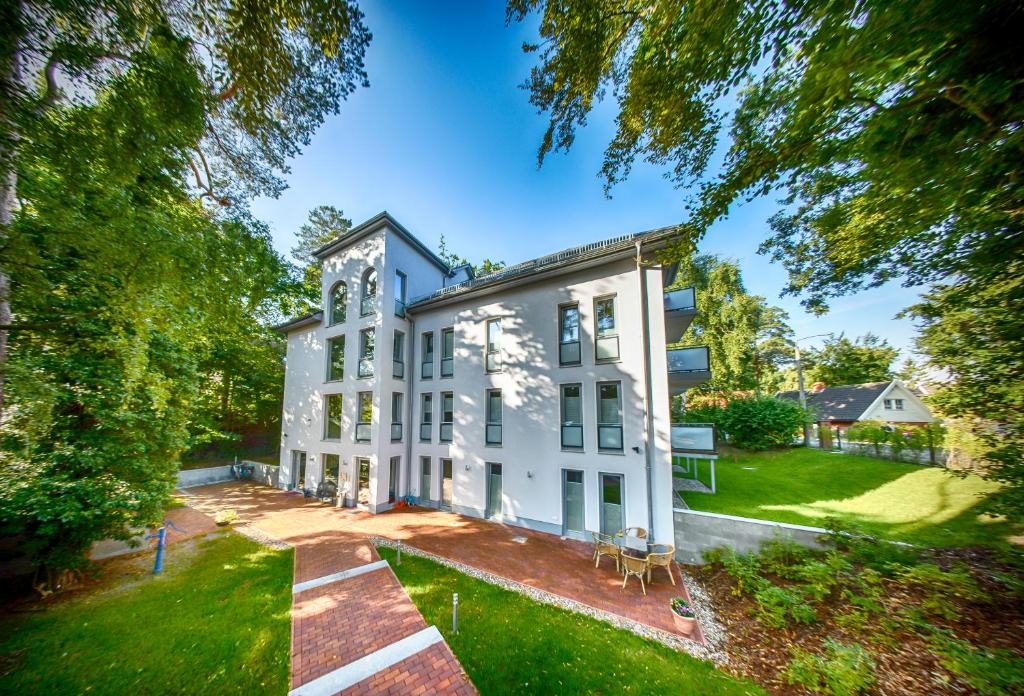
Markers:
point(800, 384)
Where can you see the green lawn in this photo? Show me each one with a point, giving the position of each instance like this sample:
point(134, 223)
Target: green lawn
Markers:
point(510, 644)
point(216, 622)
point(911, 503)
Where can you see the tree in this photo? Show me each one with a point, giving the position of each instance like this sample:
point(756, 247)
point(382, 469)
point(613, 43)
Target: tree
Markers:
point(325, 224)
point(867, 358)
point(891, 128)
point(745, 336)
point(454, 261)
point(267, 74)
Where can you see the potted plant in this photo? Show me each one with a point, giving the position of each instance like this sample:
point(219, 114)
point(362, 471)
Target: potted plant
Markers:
point(682, 615)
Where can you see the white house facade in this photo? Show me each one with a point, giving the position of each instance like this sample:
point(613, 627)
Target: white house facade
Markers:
point(537, 395)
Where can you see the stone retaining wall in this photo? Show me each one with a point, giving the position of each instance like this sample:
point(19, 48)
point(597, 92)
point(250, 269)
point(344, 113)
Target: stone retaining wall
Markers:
point(202, 477)
point(697, 531)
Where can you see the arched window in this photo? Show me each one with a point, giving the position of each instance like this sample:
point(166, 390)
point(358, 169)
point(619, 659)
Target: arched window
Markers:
point(369, 292)
point(338, 302)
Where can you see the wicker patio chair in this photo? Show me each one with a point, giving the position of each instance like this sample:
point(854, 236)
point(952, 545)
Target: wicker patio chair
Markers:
point(605, 546)
point(638, 532)
point(637, 567)
point(662, 559)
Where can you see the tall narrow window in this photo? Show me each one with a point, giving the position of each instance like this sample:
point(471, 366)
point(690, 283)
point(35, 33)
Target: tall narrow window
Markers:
point(572, 416)
point(569, 335)
point(364, 418)
point(398, 356)
point(425, 478)
point(447, 416)
point(400, 284)
point(426, 417)
point(607, 336)
point(609, 416)
point(395, 467)
point(332, 420)
point(369, 296)
point(447, 352)
point(396, 416)
point(335, 359)
point(427, 357)
point(367, 340)
point(493, 430)
point(492, 359)
point(339, 300)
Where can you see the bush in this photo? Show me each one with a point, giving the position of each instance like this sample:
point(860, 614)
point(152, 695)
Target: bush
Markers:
point(844, 669)
point(777, 606)
point(945, 590)
point(755, 423)
point(995, 672)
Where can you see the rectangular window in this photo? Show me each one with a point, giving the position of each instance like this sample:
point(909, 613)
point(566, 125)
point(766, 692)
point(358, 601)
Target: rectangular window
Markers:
point(425, 478)
point(569, 335)
point(331, 465)
point(398, 356)
point(492, 359)
point(367, 340)
point(447, 352)
point(572, 416)
point(400, 283)
point(426, 417)
point(606, 341)
point(427, 359)
point(396, 417)
point(396, 466)
point(898, 403)
point(364, 417)
point(447, 416)
point(887, 403)
point(332, 421)
point(609, 416)
point(493, 434)
point(335, 359)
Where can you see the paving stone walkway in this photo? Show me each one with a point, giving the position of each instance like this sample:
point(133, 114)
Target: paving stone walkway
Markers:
point(360, 634)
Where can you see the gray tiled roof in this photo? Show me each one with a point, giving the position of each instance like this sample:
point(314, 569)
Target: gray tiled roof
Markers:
point(844, 403)
point(544, 263)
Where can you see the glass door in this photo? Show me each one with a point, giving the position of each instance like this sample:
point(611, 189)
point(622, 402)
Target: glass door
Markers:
point(363, 496)
point(494, 491)
point(446, 484)
point(298, 469)
point(572, 512)
point(424, 479)
point(393, 479)
point(611, 503)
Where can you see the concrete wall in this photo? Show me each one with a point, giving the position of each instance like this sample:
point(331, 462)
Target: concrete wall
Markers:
point(696, 532)
point(267, 474)
point(202, 477)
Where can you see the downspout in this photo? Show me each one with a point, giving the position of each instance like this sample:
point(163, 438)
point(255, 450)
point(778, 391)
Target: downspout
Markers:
point(410, 374)
point(645, 338)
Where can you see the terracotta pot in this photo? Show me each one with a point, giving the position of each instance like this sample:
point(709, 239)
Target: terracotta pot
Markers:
point(685, 625)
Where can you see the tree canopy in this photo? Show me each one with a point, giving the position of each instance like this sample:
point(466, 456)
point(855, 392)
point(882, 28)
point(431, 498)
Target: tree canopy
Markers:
point(325, 223)
point(839, 361)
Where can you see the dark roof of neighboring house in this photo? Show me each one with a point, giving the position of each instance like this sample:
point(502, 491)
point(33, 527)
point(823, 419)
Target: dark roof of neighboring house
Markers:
point(299, 322)
point(845, 403)
point(566, 257)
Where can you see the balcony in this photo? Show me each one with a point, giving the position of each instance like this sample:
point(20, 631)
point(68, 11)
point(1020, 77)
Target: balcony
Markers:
point(362, 432)
point(688, 367)
point(693, 438)
point(680, 309)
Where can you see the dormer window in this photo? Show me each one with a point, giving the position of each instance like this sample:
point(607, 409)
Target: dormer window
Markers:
point(337, 303)
point(366, 304)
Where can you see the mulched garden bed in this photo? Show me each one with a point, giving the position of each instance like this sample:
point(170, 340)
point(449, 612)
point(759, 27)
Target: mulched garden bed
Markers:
point(904, 661)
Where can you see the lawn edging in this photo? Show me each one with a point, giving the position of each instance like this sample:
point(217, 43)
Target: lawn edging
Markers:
point(714, 634)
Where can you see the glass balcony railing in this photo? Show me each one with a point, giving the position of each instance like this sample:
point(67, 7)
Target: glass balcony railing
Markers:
point(425, 429)
point(693, 437)
point(682, 299)
point(362, 432)
point(689, 359)
point(396, 432)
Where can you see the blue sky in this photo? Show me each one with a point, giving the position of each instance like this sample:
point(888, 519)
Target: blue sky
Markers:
point(446, 141)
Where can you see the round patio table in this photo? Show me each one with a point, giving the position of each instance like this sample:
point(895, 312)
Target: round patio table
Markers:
point(639, 548)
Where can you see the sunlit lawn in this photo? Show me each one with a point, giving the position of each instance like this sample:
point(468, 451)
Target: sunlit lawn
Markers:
point(216, 622)
point(921, 505)
point(509, 644)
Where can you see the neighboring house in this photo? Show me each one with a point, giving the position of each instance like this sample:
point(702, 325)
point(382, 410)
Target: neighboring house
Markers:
point(537, 394)
point(840, 407)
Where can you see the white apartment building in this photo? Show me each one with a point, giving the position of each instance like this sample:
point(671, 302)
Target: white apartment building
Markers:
point(537, 395)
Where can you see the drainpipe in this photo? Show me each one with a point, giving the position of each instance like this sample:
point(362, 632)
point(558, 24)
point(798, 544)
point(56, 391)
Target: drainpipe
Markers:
point(410, 374)
point(648, 389)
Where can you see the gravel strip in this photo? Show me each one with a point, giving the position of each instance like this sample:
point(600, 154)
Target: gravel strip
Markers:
point(259, 536)
point(714, 634)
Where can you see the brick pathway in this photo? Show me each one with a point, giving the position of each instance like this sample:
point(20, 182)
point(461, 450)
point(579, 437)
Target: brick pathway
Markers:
point(544, 561)
point(339, 623)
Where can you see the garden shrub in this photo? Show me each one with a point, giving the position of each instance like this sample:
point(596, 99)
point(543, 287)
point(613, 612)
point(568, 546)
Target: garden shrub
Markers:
point(777, 605)
point(823, 576)
point(990, 672)
point(944, 590)
point(745, 569)
point(783, 557)
point(754, 423)
point(844, 669)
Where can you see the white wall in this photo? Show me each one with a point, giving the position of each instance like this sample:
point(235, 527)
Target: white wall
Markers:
point(913, 411)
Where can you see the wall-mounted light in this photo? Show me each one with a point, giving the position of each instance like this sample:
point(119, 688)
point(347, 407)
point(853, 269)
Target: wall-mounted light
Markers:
point(637, 449)
point(529, 474)
point(468, 467)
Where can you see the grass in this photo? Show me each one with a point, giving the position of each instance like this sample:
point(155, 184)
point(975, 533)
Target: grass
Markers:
point(217, 621)
point(905, 502)
point(510, 644)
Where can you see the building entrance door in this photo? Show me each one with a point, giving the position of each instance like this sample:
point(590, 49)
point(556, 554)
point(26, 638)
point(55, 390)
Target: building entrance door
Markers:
point(446, 484)
point(572, 510)
point(611, 503)
point(363, 491)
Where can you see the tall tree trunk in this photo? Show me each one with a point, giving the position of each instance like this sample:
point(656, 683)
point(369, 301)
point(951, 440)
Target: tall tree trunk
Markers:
point(10, 81)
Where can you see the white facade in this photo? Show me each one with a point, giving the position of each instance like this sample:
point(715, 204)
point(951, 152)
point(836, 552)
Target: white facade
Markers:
point(897, 404)
point(515, 466)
